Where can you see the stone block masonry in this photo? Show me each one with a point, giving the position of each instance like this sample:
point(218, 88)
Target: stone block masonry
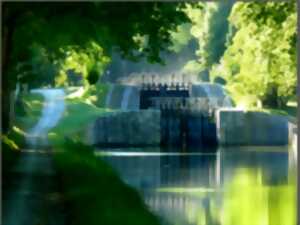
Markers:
point(236, 127)
point(129, 128)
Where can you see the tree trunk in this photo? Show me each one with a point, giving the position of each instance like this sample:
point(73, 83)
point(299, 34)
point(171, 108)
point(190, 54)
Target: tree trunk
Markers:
point(12, 112)
point(7, 82)
point(271, 98)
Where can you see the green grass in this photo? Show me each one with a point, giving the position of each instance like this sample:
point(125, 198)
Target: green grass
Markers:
point(77, 116)
point(28, 110)
point(94, 94)
point(94, 193)
point(291, 110)
point(288, 111)
point(82, 108)
point(97, 94)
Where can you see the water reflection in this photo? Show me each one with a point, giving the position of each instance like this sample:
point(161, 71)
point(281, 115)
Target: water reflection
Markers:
point(234, 186)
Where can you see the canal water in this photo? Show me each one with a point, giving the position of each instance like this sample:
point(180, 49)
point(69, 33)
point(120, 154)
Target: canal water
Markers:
point(232, 186)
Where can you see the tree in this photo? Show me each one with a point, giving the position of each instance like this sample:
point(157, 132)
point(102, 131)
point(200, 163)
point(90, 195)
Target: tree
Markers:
point(61, 29)
point(210, 27)
point(259, 64)
point(181, 49)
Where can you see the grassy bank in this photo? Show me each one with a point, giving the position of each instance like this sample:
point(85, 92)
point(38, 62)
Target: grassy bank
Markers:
point(93, 191)
point(77, 116)
point(288, 111)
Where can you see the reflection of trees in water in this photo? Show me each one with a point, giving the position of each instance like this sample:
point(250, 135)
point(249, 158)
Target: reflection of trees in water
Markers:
point(252, 195)
point(247, 201)
point(188, 171)
point(273, 165)
point(181, 204)
point(180, 208)
point(246, 188)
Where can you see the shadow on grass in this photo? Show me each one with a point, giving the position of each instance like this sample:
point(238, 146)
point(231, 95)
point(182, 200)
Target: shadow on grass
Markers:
point(28, 110)
point(94, 192)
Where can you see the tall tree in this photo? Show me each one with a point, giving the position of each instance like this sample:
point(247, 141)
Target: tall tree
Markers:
point(259, 64)
point(65, 31)
point(210, 28)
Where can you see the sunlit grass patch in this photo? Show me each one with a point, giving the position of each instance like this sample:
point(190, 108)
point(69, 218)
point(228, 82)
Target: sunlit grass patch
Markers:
point(292, 104)
point(74, 93)
point(10, 143)
point(290, 112)
point(96, 94)
point(28, 110)
point(93, 94)
point(77, 116)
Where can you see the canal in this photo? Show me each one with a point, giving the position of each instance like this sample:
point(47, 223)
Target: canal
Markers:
point(230, 186)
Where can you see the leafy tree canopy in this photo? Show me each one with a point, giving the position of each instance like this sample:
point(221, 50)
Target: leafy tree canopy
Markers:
point(260, 62)
point(209, 27)
point(76, 36)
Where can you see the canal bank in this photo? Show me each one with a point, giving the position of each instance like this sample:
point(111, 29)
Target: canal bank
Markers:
point(190, 187)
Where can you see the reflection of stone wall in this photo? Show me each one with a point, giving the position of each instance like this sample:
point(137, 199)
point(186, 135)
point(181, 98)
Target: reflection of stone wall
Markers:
point(293, 132)
point(131, 128)
point(236, 127)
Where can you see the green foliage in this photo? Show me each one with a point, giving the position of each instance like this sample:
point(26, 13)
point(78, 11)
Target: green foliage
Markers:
point(44, 41)
point(259, 64)
point(192, 67)
point(274, 204)
point(96, 94)
point(82, 35)
point(94, 192)
point(74, 120)
point(181, 37)
point(209, 27)
point(28, 110)
point(82, 61)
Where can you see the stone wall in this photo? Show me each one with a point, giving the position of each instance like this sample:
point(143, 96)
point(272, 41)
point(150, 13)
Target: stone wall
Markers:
point(127, 128)
point(236, 127)
point(150, 127)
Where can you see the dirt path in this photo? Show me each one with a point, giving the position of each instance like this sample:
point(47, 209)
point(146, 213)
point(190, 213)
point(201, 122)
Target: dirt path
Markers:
point(32, 196)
